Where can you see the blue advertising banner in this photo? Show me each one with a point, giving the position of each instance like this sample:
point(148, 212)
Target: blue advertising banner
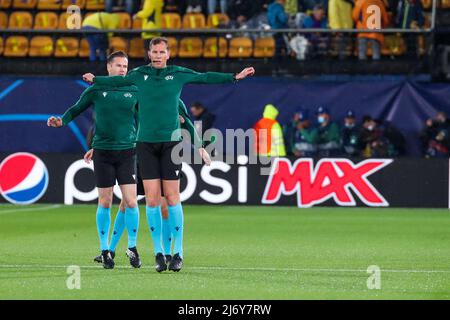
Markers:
point(25, 104)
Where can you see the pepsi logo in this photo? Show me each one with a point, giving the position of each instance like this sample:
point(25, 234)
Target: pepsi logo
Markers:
point(23, 178)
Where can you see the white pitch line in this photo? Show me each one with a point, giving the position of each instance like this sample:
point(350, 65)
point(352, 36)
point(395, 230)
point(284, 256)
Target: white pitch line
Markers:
point(6, 266)
point(31, 209)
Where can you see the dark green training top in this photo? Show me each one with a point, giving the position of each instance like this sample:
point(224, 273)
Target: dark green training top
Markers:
point(158, 96)
point(116, 116)
point(115, 110)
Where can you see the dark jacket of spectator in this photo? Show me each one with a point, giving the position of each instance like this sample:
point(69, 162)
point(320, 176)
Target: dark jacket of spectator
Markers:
point(409, 11)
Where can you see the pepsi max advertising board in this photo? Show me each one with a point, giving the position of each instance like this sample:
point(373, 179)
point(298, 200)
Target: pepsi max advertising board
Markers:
point(27, 178)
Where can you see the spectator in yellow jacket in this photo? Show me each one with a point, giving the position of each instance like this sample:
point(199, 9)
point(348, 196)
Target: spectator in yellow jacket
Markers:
point(269, 135)
point(99, 42)
point(340, 17)
point(361, 15)
point(151, 19)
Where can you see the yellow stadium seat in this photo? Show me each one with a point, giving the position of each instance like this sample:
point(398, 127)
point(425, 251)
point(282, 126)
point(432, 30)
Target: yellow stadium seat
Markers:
point(171, 21)
point(264, 48)
point(24, 4)
point(20, 20)
point(41, 46)
point(79, 3)
point(240, 48)
point(393, 45)
point(426, 4)
point(137, 24)
point(49, 4)
point(95, 5)
point(210, 49)
point(136, 48)
point(173, 46)
point(5, 4)
point(216, 20)
point(16, 46)
point(1, 46)
point(3, 20)
point(194, 21)
point(84, 49)
point(190, 47)
point(66, 47)
point(46, 20)
point(118, 44)
point(125, 20)
point(62, 23)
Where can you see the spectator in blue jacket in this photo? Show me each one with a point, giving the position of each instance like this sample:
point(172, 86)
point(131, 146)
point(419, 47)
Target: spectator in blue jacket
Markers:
point(317, 20)
point(278, 19)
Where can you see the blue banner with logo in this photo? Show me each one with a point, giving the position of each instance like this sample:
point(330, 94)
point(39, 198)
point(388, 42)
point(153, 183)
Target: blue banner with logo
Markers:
point(26, 103)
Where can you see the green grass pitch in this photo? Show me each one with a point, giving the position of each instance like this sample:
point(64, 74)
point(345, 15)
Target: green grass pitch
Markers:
point(234, 253)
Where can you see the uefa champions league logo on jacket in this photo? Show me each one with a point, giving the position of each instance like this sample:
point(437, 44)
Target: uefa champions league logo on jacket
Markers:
point(23, 178)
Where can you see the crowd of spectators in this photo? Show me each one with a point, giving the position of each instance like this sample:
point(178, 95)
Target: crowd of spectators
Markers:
point(321, 136)
point(305, 14)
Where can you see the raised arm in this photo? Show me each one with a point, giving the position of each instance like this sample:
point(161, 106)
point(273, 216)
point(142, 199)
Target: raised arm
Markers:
point(216, 77)
point(116, 81)
point(81, 105)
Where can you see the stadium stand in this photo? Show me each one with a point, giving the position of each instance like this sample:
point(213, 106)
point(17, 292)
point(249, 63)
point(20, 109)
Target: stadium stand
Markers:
point(194, 21)
point(5, 4)
point(41, 46)
point(264, 48)
point(215, 47)
point(84, 49)
point(27, 4)
point(46, 20)
point(173, 45)
point(217, 20)
point(240, 47)
point(95, 5)
point(3, 20)
point(66, 47)
point(119, 44)
point(20, 20)
point(171, 21)
point(16, 46)
point(1, 46)
point(49, 5)
point(136, 48)
point(80, 3)
point(190, 47)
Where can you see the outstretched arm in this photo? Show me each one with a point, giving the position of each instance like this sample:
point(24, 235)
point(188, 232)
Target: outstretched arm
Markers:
point(117, 81)
point(216, 77)
point(81, 105)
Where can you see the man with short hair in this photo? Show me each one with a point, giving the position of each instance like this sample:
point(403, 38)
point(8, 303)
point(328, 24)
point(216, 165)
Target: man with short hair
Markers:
point(160, 87)
point(114, 152)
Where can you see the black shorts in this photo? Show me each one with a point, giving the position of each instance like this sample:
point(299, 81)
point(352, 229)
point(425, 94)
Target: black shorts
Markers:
point(140, 183)
point(112, 165)
point(155, 161)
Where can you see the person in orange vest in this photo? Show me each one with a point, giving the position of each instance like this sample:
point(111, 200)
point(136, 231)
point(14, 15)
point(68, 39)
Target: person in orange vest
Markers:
point(269, 135)
point(361, 16)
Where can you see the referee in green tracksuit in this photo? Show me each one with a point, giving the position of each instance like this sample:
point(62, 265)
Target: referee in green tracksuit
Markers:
point(159, 91)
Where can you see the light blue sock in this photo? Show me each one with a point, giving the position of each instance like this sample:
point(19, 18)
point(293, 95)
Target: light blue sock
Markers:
point(167, 236)
point(132, 223)
point(176, 225)
point(119, 226)
point(103, 219)
point(155, 225)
